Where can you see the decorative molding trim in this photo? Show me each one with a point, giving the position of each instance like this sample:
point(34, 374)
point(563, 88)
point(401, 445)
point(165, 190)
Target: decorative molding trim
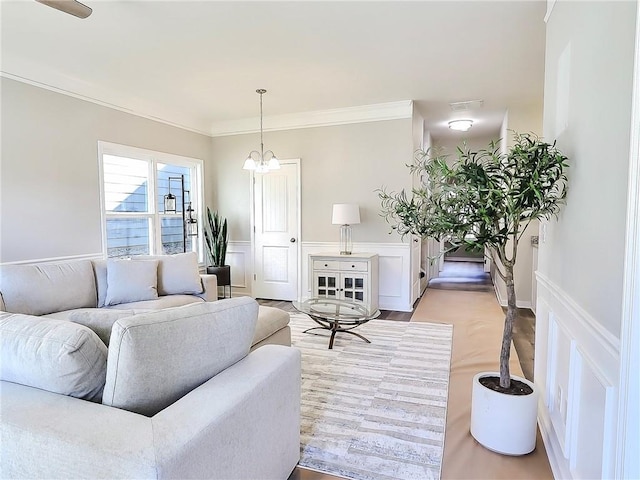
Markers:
point(557, 461)
point(93, 98)
point(550, 5)
point(627, 442)
point(606, 339)
point(578, 365)
point(239, 255)
point(319, 118)
point(86, 256)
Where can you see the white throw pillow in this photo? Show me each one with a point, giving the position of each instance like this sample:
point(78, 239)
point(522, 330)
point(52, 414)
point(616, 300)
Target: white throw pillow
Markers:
point(177, 274)
point(129, 281)
point(54, 355)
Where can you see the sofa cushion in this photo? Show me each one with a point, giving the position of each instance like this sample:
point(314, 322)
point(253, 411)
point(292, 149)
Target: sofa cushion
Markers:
point(177, 274)
point(270, 320)
point(168, 301)
point(129, 281)
point(54, 355)
point(99, 320)
point(156, 358)
point(48, 287)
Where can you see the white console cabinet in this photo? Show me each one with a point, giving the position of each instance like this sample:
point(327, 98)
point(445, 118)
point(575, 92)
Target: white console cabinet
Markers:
point(347, 277)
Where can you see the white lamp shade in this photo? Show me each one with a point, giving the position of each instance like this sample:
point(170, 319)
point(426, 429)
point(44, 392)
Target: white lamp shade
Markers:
point(345, 214)
point(249, 164)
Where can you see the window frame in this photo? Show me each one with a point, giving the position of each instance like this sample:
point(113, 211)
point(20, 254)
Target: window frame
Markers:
point(153, 216)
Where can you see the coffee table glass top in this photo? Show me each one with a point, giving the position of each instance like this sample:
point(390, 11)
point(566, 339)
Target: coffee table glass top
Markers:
point(341, 311)
point(337, 316)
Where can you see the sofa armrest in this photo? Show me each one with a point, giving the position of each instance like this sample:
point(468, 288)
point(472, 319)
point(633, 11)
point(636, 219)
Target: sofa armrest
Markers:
point(47, 435)
point(243, 423)
point(210, 286)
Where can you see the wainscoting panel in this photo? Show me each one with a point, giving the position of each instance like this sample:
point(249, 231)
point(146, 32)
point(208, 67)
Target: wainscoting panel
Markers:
point(240, 259)
point(577, 368)
point(87, 256)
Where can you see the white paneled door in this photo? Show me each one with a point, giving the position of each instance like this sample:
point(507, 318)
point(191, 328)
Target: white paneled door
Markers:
point(277, 232)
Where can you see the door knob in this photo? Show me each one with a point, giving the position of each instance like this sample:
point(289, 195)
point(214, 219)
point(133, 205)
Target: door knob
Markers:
point(292, 240)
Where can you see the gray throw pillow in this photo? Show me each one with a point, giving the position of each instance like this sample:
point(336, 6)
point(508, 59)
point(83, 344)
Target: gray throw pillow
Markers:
point(53, 355)
point(177, 274)
point(157, 358)
point(129, 281)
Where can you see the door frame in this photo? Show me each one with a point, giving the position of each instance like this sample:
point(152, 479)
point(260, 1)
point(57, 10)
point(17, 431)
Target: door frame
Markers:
point(252, 188)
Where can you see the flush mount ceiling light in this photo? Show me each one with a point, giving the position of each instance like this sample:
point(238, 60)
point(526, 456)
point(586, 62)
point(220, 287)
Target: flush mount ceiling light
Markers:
point(460, 125)
point(72, 7)
point(261, 162)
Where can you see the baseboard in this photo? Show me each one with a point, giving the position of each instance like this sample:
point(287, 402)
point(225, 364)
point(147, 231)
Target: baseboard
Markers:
point(557, 461)
point(503, 300)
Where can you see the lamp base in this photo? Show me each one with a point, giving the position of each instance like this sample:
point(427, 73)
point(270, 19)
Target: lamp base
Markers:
point(346, 245)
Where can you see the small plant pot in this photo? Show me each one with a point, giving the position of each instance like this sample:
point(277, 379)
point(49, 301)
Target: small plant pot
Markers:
point(501, 422)
point(223, 273)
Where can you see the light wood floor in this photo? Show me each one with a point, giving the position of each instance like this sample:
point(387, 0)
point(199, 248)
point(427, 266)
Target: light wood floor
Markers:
point(462, 276)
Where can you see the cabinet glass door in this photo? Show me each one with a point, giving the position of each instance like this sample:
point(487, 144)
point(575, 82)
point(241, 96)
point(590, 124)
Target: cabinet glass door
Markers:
point(353, 288)
point(326, 286)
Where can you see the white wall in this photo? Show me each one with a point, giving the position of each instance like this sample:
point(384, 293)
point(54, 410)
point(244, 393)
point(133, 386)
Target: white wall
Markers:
point(338, 164)
point(49, 183)
point(588, 98)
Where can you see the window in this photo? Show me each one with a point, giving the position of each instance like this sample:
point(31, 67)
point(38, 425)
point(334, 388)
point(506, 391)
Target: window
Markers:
point(133, 188)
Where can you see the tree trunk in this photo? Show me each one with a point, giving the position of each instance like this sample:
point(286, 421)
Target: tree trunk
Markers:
point(505, 353)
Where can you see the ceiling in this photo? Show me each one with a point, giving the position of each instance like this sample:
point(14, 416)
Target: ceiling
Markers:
point(198, 64)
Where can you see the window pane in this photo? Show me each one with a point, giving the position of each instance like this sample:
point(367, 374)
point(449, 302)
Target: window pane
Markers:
point(125, 184)
point(127, 236)
point(171, 235)
point(164, 187)
point(172, 240)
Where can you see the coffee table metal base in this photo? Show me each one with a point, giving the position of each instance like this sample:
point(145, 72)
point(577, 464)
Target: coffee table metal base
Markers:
point(334, 327)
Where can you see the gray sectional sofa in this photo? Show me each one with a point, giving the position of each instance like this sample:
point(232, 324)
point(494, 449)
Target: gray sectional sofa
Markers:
point(130, 382)
point(96, 293)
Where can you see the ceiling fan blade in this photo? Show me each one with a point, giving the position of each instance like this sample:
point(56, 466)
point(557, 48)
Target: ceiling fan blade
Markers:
point(72, 7)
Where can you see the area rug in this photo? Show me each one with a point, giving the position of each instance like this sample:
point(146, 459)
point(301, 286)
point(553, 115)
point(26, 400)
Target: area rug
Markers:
point(374, 411)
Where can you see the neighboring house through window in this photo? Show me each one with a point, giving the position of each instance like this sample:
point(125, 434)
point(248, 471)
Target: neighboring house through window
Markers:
point(134, 183)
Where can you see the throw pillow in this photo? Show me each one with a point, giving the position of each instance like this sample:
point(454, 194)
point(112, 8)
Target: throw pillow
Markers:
point(100, 271)
point(100, 321)
point(129, 281)
point(157, 358)
point(53, 355)
point(177, 274)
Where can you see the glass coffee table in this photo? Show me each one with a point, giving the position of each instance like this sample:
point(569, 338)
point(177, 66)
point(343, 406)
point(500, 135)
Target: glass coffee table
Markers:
point(337, 316)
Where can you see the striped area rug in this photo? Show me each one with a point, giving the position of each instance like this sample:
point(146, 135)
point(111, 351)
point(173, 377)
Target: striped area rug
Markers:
point(374, 411)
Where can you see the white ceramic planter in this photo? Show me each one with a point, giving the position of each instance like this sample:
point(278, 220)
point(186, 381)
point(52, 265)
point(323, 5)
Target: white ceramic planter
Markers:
point(504, 423)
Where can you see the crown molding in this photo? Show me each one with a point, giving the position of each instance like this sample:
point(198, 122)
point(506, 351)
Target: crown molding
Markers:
point(38, 76)
point(27, 72)
point(550, 5)
point(319, 118)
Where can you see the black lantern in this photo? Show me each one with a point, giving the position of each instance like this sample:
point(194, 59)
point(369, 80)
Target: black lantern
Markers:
point(190, 220)
point(170, 198)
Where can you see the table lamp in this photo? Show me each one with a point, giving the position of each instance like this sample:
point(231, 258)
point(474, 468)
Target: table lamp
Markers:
point(345, 215)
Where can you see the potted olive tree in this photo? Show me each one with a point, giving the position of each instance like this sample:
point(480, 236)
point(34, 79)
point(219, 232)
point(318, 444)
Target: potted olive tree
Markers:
point(217, 239)
point(484, 201)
